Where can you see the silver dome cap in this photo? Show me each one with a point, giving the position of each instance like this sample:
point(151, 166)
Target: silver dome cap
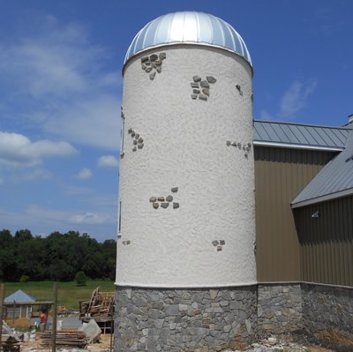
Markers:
point(188, 27)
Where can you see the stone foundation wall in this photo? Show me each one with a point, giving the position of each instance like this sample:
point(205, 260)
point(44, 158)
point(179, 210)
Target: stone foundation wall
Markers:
point(184, 319)
point(279, 308)
point(208, 320)
point(327, 307)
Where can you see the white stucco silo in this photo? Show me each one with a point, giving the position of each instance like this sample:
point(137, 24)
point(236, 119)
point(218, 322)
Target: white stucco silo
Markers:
point(187, 167)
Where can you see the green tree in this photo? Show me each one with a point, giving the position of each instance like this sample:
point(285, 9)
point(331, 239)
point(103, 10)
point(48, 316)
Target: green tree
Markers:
point(55, 257)
point(23, 235)
point(31, 258)
point(8, 263)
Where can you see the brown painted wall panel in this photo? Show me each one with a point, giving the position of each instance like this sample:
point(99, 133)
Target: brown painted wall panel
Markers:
point(327, 241)
point(280, 174)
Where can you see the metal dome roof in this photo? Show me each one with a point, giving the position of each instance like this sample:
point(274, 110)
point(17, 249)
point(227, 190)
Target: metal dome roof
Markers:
point(188, 27)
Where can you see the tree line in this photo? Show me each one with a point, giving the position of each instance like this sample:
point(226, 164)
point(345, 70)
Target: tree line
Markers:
point(59, 256)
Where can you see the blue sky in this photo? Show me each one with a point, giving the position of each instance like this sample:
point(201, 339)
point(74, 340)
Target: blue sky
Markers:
point(61, 87)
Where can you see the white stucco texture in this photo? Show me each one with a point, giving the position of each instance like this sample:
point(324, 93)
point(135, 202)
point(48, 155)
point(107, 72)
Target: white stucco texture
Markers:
point(185, 147)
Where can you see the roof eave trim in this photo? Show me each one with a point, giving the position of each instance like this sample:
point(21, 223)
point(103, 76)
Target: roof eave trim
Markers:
point(203, 44)
point(324, 198)
point(297, 146)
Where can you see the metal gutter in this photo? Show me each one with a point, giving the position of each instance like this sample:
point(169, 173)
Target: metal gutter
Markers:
point(324, 198)
point(269, 283)
point(296, 146)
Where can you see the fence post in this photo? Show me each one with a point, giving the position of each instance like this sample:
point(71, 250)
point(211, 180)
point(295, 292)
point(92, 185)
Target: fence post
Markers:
point(55, 312)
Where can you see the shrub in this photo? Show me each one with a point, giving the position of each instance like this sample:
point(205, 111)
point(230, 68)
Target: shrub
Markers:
point(24, 278)
point(81, 278)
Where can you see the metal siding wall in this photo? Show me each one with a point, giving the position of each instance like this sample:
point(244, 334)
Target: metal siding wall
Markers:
point(280, 174)
point(327, 241)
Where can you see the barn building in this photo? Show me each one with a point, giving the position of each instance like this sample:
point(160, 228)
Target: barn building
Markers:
point(229, 227)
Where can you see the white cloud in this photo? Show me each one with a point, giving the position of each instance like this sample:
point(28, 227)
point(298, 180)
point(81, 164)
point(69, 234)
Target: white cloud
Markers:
point(35, 174)
point(31, 216)
point(45, 214)
point(90, 218)
point(94, 122)
point(64, 82)
point(84, 174)
point(18, 150)
point(108, 161)
point(51, 71)
point(45, 220)
point(57, 60)
point(295, 98)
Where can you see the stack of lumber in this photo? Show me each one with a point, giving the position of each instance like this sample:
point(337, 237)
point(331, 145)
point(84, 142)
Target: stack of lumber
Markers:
point(65, 338)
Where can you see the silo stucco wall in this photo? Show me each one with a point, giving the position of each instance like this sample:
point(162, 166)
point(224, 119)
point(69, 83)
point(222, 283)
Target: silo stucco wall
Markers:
point(185, 147)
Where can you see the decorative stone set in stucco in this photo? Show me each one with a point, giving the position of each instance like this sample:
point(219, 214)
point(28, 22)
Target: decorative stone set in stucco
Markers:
point(218, 244)
point(164, 202)
point(152, 64)
point(137, 140)
point(246, 147)
point(201, 87)
point(238, 87)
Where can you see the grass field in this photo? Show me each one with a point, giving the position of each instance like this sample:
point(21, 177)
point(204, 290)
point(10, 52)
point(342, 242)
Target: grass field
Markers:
point(69, 294)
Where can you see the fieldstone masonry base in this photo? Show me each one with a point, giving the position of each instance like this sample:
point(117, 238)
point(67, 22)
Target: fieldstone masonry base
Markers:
point(207, 320)
point(328, 308)
point(184, 319)
point(279, 309)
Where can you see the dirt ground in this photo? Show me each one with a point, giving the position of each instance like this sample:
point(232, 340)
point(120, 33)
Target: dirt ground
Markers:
point(292, 343)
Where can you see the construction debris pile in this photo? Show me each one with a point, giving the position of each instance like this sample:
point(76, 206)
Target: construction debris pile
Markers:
point(100, 306)
point(11, 345)
point(65, 338)
point(10, 341)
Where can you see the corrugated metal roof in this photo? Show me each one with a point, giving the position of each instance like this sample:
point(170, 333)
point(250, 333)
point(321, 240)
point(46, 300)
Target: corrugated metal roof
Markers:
point(334, 180)
point(19, 296)
point(299, 135)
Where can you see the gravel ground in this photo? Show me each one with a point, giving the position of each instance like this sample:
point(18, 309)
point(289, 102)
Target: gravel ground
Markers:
point(292, 343)
point(275, 345)
point(271, 344)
